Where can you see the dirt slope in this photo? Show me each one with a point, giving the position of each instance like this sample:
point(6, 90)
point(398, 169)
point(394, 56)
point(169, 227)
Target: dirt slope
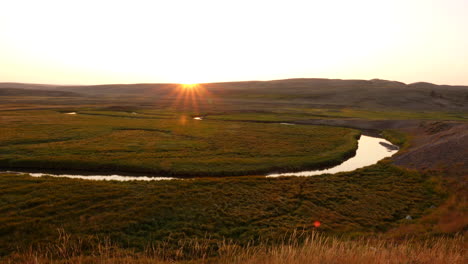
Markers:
point(434, 144)
point(437, 145)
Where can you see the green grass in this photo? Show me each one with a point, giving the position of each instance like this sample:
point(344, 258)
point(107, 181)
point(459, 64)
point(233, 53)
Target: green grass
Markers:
point(397, 137)
point(165, 143)
point(294, 114)
point(242, 209)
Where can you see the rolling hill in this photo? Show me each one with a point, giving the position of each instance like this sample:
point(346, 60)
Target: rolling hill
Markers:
point(370, 94)
point(33, 92)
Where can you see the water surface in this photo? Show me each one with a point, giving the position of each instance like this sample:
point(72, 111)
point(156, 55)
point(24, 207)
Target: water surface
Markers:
point(103, 177)
point(369, 151)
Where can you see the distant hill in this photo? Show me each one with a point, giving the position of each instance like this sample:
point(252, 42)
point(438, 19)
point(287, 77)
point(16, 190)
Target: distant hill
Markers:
point(25, 85)
point(374, 93)
point(32, 92)
point(353, 93)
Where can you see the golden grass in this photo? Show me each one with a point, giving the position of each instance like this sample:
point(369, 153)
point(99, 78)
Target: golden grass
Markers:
point(319, 249)
point(299, 248)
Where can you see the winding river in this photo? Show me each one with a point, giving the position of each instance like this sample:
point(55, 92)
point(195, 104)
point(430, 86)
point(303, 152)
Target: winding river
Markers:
point(370, 151)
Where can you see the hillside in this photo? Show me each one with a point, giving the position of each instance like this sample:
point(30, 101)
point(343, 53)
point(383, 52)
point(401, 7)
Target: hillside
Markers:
point(32, 92)
point(371, 94)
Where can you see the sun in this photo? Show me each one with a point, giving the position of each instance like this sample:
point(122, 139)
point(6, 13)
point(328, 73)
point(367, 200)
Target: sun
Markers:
point(193, 97)
point(189, 86)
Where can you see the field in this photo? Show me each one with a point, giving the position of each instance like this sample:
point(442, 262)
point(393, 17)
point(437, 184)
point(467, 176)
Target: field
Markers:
point(224, 210)
point(165, 143)
point(248, 209)
point(291, 115)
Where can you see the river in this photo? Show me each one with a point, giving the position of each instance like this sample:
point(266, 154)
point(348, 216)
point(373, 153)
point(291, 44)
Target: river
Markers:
point(370, 150)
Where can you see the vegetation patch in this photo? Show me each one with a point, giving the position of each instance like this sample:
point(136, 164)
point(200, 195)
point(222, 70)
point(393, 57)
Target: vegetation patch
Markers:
point(295, 114)
point(397, 138)
point(242, 209)
point(178, 146)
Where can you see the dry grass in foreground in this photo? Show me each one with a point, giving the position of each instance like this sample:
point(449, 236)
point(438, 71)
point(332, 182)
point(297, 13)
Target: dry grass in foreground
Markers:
point(314, 248)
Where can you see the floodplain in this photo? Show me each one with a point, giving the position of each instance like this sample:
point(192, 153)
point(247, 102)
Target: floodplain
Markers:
point(223, 203)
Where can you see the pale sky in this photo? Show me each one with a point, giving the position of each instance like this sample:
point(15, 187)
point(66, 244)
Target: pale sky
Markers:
point(136, 41)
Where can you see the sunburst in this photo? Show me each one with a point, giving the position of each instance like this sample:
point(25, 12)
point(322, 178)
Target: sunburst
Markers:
point(191, 97)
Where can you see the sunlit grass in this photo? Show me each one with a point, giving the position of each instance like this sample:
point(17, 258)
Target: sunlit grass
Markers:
point(297, 248)
point(166, 143)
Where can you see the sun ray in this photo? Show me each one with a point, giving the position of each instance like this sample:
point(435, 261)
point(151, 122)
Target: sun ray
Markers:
point(192, 98)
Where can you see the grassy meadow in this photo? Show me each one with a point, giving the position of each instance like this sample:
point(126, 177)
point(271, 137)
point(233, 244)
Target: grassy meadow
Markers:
point(297, 114)
point(164, 143)
point(245, 211)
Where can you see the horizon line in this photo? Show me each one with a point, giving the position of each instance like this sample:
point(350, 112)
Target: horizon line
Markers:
point(269, 80)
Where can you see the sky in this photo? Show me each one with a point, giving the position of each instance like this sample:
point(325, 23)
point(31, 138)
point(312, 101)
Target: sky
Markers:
point(136, 41)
